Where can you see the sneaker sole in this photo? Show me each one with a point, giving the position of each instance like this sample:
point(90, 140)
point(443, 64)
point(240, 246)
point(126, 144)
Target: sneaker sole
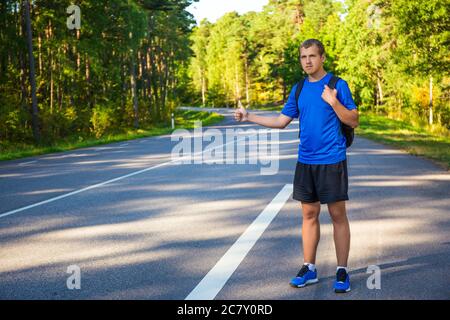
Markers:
point(306, 283)
point(342, 291)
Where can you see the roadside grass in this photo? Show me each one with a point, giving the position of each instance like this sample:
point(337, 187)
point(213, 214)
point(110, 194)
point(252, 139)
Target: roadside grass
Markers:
point(183, 120)
point(415, 140)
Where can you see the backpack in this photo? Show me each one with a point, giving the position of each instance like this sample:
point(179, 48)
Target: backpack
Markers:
point(347, 131)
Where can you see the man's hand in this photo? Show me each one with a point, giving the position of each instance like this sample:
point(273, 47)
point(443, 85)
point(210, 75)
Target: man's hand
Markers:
point(330, 96)
point(349, 117)
point(241, 114)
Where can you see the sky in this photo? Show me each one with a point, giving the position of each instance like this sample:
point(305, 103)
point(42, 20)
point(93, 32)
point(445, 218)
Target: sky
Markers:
point(214, 9)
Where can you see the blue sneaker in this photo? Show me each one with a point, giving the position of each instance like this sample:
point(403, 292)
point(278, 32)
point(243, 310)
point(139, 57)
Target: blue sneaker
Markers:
point(342, 283)
point(304, 278)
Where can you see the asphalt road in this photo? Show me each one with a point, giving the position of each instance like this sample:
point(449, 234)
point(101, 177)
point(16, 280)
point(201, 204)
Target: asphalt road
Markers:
point(140, 225)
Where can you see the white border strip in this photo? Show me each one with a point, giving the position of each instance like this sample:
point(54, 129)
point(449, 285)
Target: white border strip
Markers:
point(216, 278)
point(25, 163)
point(82, 190)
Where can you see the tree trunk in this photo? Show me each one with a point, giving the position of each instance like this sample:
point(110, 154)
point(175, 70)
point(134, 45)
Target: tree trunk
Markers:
point(133, 90)
point(154, 83)
point(60, 84)
point(163, 84)
point(203, 89)
point(380, 90)
point(51, 81)
point(88, 80)
point(40, 53)
point(238, 90)
point(247, 83)
point(148, 82)
point(49, 35)
point(23, 67)
point(430, 120)
point(34, 108)
point(123, 95)
point(143, 68)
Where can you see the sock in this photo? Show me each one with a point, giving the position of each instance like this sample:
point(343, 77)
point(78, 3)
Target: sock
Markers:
point(311, 266)
point(339, 267)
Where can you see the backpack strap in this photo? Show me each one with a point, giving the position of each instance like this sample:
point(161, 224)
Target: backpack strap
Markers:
point(347, 131)
point(298, 91)
point(333, 81)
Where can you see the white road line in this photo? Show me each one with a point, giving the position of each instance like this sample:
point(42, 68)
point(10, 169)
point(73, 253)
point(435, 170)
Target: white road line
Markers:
point(84, 189)
point(124, 144)
point(25, 163)
point(8, 213)
point(216, 278)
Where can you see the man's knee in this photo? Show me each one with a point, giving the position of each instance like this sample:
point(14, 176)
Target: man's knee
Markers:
point(337, 212)
point(310, 211)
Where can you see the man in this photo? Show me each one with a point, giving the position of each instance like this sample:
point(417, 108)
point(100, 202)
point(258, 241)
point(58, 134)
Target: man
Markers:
point(321, 172)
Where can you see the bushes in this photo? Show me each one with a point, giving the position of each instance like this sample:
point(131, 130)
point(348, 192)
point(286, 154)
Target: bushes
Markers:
point(13, 120)
point(102, 120)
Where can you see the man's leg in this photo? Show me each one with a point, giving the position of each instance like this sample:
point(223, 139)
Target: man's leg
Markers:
point(310, 230)
point(341, 231)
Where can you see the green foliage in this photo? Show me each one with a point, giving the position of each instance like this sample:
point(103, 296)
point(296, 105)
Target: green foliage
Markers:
point(134, 61)
point(102, 120)
point(386, 50)
point(87, 79)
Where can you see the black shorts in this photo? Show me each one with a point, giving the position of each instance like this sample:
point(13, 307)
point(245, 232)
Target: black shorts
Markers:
point(326, 183)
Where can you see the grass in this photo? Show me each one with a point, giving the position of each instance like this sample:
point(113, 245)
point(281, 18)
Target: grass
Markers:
point(183, 120)
point(415, 140)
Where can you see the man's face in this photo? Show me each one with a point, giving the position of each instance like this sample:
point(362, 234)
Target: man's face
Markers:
point(311, 59)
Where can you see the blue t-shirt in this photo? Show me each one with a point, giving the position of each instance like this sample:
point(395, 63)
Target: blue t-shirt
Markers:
point(321, 138)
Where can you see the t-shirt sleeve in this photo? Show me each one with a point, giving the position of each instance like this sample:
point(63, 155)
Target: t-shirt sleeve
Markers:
point(290, 108)
point(345, 96)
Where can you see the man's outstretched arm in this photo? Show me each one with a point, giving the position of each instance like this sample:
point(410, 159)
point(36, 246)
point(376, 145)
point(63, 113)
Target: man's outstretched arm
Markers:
point(279, 122)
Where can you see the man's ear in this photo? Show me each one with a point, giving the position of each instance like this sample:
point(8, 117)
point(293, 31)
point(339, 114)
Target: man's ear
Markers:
point(324, 57)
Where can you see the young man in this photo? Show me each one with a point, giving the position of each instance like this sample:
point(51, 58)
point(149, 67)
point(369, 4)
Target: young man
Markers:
point(321, 172)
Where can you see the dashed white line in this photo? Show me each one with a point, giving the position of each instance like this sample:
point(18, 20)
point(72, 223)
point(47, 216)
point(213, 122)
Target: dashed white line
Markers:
point(216, 278)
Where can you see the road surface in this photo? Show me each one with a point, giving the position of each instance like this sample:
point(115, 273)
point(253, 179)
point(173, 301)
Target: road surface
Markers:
point(140, 225)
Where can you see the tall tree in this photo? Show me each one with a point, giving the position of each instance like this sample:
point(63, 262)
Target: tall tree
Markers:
point(34, 107)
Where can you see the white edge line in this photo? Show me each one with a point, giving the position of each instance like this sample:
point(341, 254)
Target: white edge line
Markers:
point(215, 279)
point(82, 190)
point(8, 213)
point(29, 162)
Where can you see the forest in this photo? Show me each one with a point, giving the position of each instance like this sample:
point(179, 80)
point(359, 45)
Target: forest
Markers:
point(132, 62)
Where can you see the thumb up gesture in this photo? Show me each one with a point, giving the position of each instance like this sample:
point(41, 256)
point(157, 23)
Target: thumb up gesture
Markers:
point(241, 114)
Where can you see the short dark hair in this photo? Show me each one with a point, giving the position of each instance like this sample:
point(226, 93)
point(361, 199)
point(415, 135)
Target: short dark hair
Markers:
point(311, 42)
